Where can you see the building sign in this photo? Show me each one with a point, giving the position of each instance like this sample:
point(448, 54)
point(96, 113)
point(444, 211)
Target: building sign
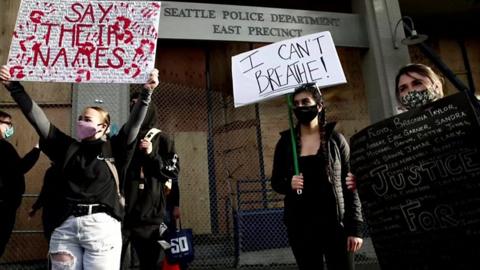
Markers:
point(418, 176)
point(278, 68)
point(256, 24)
point(84, 41)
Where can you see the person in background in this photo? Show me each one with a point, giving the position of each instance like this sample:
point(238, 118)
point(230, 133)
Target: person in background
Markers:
point(12, 180)
point(415, 85)
point(154, 163)
point(49, 200)
point(172, 190)
point(89, 235)
point(326, 215)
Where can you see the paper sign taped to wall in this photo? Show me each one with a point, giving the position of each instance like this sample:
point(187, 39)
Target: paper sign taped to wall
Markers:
point(278, 68)
point(84, 41)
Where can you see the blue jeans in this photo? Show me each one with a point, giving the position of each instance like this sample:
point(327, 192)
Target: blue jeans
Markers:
point(87, 242)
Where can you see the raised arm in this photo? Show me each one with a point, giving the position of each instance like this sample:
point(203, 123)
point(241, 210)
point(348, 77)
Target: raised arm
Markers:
point(132, 127)
point(29, 160)
point(30, 109)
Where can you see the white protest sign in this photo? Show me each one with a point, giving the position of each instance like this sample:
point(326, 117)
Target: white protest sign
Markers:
point(278, 68)
point(84, 41)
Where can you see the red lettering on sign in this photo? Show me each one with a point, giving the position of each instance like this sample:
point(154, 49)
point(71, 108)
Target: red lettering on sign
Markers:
point(79, 30)
point(49, 31)
point(64, 30)
point(116, 52)
point(104, 12)
point(88, 12)
point(76, 11)
point(85, 50)
point(61, 53)
point(100, 53)
point(37, 52)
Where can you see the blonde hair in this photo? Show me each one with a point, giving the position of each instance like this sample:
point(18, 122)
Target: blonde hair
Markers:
point(103, 114)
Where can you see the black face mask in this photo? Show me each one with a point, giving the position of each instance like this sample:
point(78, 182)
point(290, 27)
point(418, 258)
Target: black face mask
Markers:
point(305, 114)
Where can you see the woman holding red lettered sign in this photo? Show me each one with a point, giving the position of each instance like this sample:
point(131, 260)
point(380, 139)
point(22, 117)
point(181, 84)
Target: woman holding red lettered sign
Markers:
point(88, 236)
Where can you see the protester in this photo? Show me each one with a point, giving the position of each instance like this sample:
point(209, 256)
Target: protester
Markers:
point(49, 200)
point(89, 236)
point(415, 86)
point(326, 219)
point(12, 180)
point(154, 164)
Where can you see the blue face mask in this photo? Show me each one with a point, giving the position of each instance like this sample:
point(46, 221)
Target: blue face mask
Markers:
point(9, 132)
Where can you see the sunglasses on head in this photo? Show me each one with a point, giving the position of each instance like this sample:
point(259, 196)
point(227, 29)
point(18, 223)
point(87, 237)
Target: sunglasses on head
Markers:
point(307, 85)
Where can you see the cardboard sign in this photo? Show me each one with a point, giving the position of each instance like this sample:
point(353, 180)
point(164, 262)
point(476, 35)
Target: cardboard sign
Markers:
point(84, 41)
point(418, 176)
point(278, 68)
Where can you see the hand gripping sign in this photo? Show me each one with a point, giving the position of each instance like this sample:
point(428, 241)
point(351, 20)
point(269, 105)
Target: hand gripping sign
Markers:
point(84, 41)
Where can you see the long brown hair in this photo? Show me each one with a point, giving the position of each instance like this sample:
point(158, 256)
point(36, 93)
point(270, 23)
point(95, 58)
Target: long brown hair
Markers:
point(422, 70)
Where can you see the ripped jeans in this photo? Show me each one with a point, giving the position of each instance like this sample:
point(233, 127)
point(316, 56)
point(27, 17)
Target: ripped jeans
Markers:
point(87, 242)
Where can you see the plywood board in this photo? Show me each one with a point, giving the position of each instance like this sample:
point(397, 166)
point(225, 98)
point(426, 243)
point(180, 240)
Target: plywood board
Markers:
point(8, 13)
point(472, 45)
point(193, 181)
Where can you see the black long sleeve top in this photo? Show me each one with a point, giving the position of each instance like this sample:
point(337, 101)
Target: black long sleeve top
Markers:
point(86, 176)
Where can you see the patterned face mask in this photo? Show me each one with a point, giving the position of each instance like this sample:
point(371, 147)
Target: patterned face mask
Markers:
point(415, 99)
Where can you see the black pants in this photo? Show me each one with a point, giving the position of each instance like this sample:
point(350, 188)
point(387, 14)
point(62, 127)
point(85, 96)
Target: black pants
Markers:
point(311, 243)
point(144, 247)
point(7, 213)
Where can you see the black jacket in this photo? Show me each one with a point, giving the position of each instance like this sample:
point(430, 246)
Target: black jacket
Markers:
point(86, 176)
point(145, 197)
point(12, 170)
point(348, 203)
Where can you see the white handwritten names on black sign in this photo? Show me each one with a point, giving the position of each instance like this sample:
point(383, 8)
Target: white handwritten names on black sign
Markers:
point(419, 180)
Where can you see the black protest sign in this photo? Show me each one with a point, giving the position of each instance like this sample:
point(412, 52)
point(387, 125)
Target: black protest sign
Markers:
point(418, 176)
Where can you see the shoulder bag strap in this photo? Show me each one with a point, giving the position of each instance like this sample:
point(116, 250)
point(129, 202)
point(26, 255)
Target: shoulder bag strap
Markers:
point(151, 133)
point(107, 152)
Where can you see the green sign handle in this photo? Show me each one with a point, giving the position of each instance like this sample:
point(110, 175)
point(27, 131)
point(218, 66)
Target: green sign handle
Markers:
point(292, 137)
